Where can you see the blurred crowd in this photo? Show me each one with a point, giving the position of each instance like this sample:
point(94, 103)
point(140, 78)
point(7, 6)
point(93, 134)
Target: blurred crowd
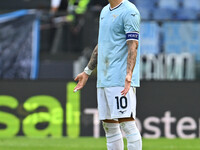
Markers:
point(78, 6)
point(149, 9)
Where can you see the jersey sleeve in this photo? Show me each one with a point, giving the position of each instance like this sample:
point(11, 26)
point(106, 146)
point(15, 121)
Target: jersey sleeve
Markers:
point(132, 25)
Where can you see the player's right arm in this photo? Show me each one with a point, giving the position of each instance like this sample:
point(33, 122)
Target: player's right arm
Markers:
point(93, 60)
point(83, 77)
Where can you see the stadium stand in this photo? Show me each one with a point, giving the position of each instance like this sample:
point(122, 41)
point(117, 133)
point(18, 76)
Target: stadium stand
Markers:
point(145, 7)
point(182, 37)
point(168, 9)
point(186, 14)
point(168, 4)
point(145, 4)
point(145, 13)
point(163, 14)
point(150, 33)
point(191, 4)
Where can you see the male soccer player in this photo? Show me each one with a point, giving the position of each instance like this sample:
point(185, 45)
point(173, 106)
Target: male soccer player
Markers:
point(117, 58)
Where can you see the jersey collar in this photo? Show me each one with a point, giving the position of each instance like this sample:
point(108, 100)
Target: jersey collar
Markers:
point(111, 9)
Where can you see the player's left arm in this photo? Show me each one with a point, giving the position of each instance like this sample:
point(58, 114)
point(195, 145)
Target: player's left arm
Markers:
point(132, 30)
point(131, 60)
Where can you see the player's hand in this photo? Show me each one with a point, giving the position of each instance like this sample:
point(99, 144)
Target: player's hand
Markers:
point(82, 79)
point(127, 85)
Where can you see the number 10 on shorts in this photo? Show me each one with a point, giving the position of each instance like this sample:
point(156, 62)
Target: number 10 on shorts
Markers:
point(121, 102)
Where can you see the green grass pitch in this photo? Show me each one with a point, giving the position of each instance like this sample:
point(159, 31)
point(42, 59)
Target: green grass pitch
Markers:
point(89, 143)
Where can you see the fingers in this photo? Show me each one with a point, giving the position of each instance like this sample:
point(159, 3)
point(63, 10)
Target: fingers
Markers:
point(124, 92)
point(75, 90)
point(78, 87)
point(82, 79)
point(76, 79)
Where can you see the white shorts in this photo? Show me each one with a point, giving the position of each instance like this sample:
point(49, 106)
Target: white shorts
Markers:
point(113, 105)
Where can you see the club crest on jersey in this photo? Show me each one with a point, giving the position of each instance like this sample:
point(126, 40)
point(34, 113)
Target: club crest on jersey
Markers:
point(114, 17)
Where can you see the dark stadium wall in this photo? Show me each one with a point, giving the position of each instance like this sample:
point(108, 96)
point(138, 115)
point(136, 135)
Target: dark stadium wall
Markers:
point(45, 108)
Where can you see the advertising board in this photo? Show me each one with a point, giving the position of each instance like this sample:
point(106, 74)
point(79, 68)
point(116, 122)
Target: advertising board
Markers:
point(45, 108)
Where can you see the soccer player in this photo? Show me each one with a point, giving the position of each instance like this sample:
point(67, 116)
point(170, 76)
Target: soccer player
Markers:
point(117, 58)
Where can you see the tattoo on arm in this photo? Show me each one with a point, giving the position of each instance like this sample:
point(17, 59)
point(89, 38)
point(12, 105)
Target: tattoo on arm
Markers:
point(132, 55)
point(93, 59)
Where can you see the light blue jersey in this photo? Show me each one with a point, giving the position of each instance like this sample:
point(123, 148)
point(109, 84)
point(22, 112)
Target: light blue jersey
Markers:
point(116, 26)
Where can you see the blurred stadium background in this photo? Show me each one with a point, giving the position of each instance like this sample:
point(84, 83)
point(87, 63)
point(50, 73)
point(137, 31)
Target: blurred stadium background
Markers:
point(44, 44)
